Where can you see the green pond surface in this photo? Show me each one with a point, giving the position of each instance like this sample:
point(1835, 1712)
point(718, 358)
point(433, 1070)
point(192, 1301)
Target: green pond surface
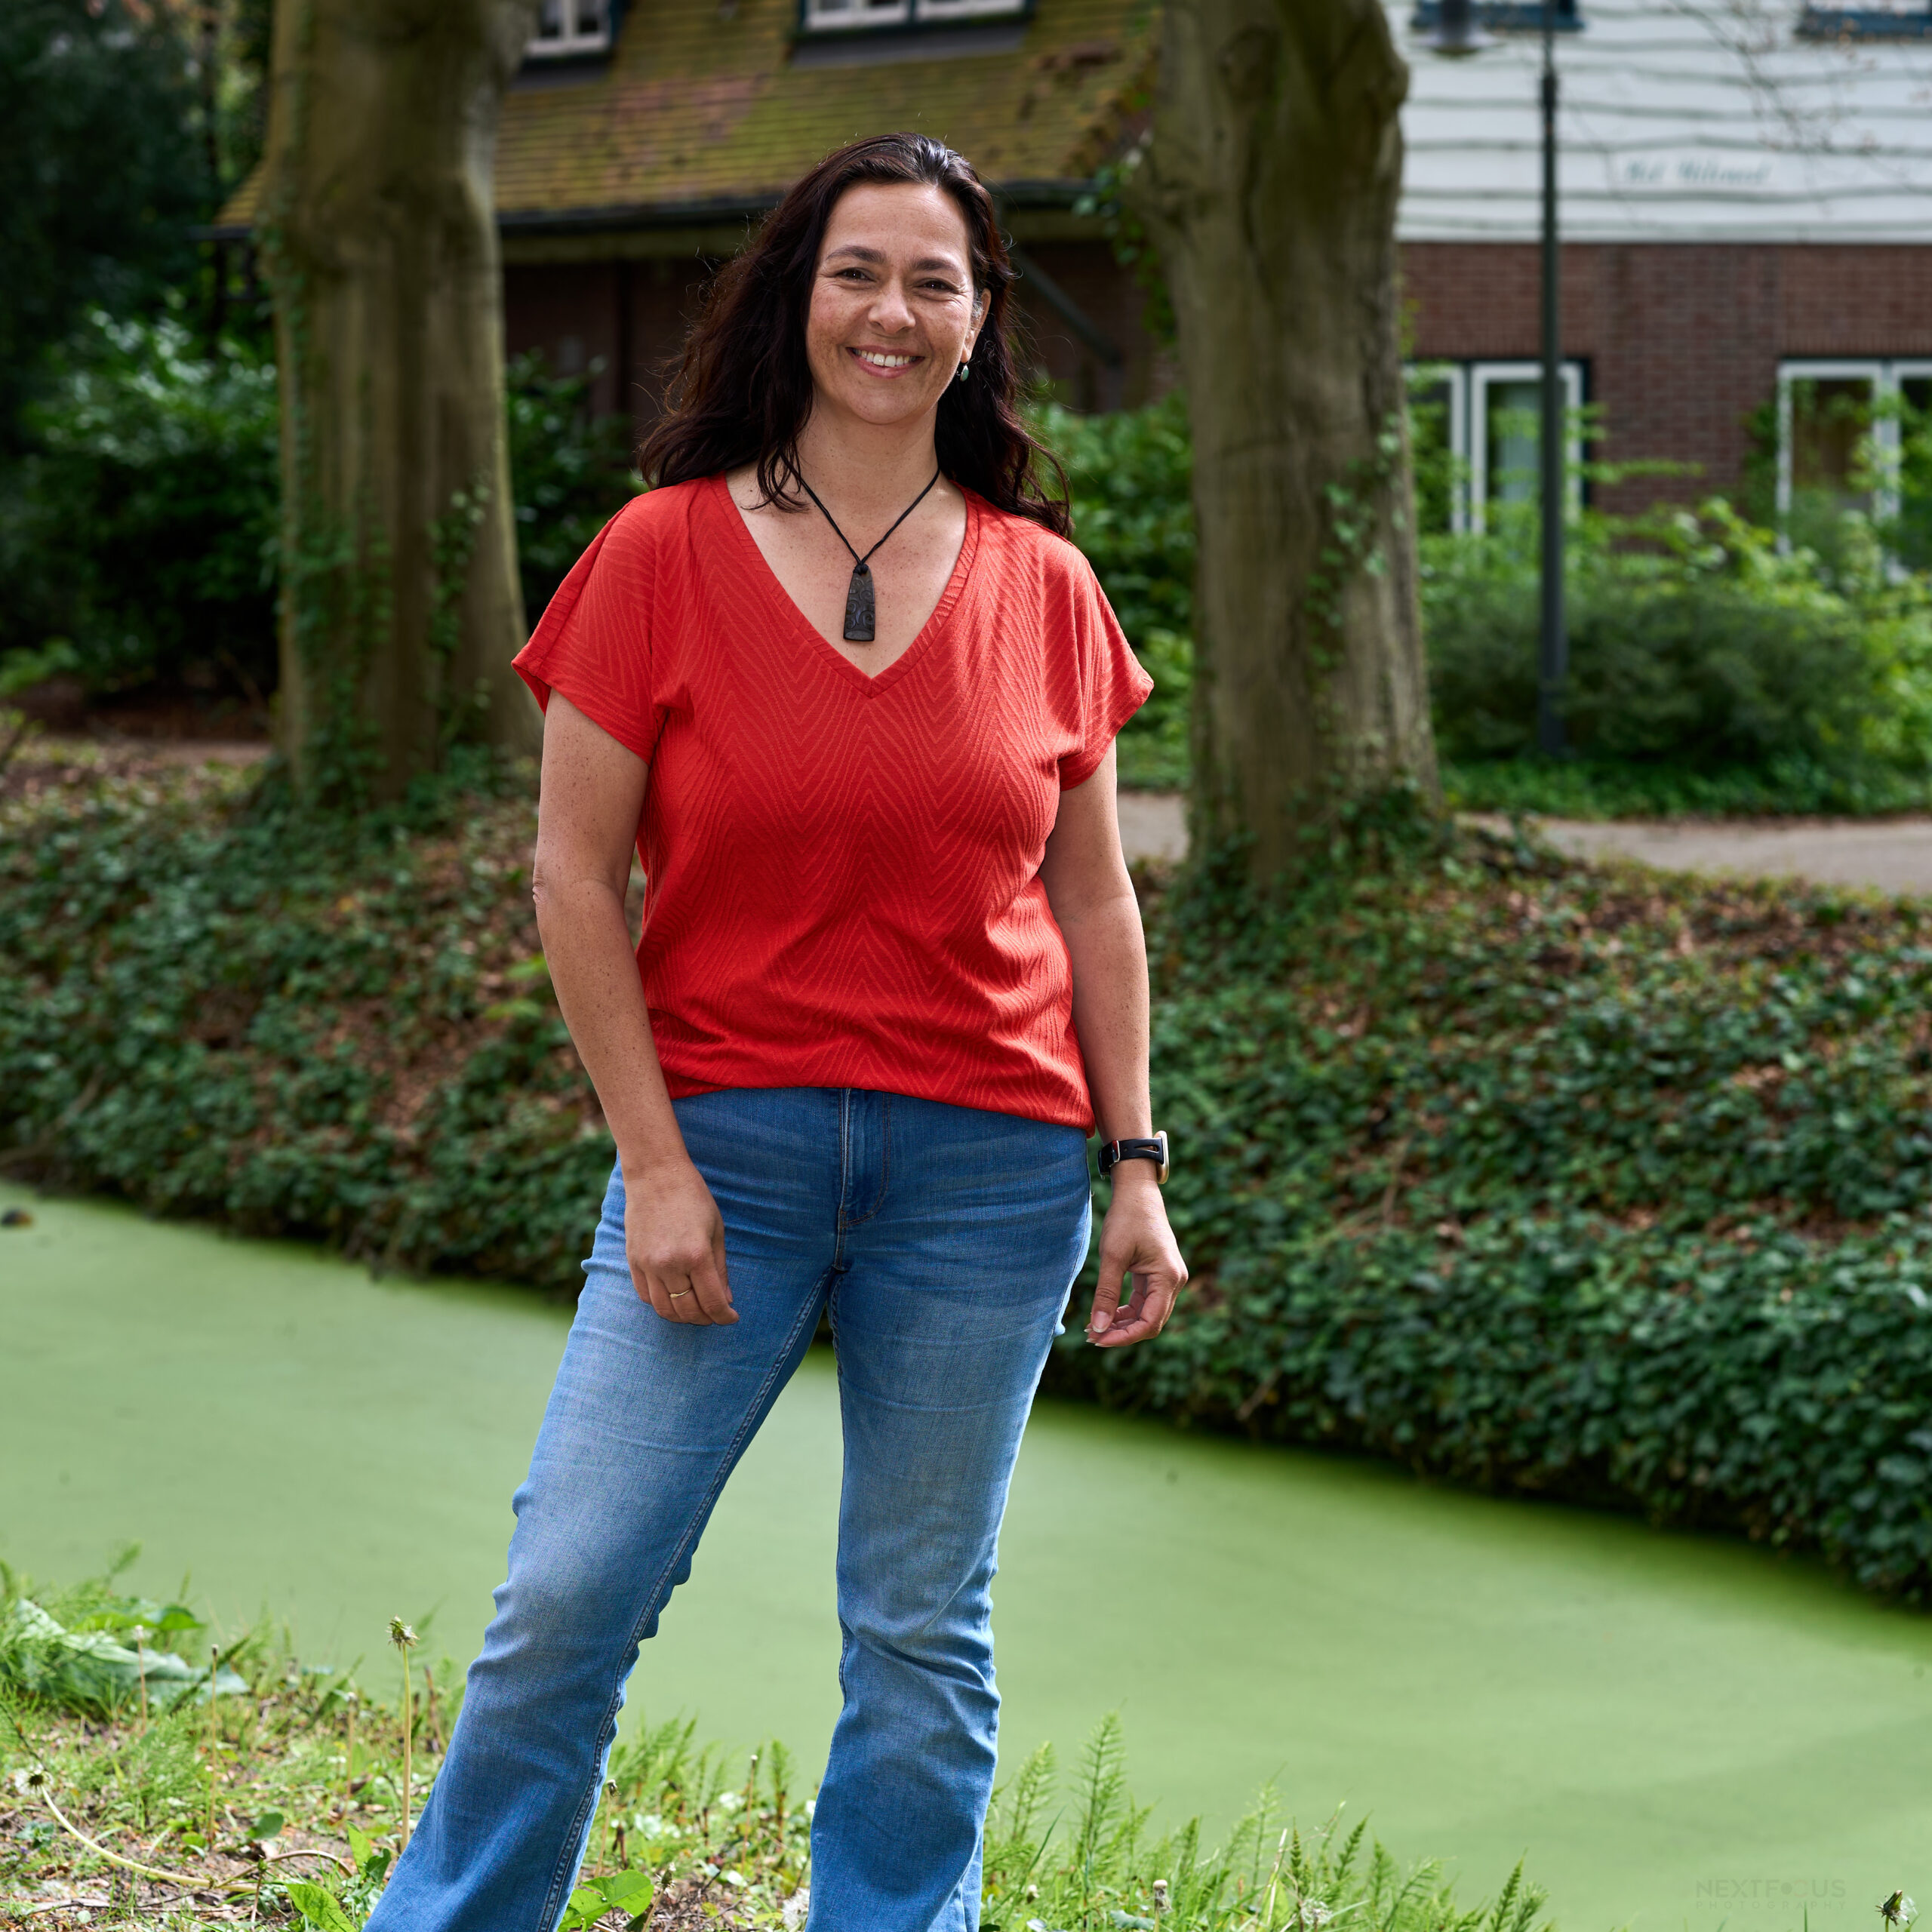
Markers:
point(1678, 1732)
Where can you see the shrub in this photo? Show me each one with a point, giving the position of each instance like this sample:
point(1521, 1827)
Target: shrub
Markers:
point(142, 527)
point(571, 472)
point(1709, 671)
point(1606, 1186)
point(1130, 475)
point(101, 173)
point(338, 1027)
point(1703, 648)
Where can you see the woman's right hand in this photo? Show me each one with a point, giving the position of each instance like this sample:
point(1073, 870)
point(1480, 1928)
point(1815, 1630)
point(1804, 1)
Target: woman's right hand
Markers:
point(674, 1239)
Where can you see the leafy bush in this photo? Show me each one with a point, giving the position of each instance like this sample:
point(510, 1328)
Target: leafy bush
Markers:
point(101, 173)
point(142, 527)
point(1130, 475)
point(338, 1027)
point(571, 472)
point(1704, 649)
point(1606, 1186)
point(1709, 671)
point(1609, 1186)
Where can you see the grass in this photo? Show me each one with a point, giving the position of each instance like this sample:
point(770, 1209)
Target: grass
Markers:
point(1608, 789)
point(284, 1799)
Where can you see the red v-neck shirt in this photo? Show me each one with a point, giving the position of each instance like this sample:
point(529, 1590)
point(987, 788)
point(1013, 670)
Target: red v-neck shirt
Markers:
point(844, 870)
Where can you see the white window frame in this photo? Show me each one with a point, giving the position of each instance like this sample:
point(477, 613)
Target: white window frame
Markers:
point(1885, 373)
point(856, 17)
point(1454, 376)
point(1469, 384)
point(1482, 378)
point(968, 10)
point(818, 18)
point(572, 41)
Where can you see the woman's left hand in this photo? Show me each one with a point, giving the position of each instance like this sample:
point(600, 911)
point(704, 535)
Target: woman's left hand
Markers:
point(1136, 1241)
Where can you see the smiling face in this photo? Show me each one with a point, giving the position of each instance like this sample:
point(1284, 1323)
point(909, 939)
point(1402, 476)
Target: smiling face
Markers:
point(893, 309)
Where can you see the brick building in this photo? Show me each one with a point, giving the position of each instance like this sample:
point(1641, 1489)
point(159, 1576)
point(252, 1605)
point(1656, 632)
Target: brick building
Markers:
point(636, 151)
point(1746, 196)
point(1746, 209)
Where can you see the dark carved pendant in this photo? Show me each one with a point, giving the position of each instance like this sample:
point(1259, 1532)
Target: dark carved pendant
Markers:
point(861, 621)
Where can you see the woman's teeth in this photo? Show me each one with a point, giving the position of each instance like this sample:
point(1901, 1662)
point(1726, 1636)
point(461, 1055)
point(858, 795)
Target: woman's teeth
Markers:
point(880, 360)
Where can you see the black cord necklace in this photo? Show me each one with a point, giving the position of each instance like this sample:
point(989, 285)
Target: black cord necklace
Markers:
point(861, 616)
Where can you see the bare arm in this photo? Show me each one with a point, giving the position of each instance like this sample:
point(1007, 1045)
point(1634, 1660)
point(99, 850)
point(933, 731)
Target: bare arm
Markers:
point(1093, 901)
point(593, 797)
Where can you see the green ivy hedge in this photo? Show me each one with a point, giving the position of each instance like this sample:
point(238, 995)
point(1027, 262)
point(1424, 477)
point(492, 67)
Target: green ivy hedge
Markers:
point(1602, 1186)
point(1591, 1184)
point(214, 1005)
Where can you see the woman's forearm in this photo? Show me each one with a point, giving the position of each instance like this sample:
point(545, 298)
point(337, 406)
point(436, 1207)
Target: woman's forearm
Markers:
point(587, 947)
point(1109, 954)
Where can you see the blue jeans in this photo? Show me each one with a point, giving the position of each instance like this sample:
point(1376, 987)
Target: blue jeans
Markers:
point(945, 1242)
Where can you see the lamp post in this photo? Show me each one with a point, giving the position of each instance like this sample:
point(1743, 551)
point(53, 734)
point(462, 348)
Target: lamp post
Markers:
point(1457, 35)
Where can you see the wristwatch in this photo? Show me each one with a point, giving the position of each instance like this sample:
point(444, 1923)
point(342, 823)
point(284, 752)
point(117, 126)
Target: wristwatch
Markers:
point(1115, 1151)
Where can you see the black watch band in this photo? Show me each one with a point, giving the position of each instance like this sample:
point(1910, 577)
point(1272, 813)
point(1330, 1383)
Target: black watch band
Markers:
point(1156, 1150)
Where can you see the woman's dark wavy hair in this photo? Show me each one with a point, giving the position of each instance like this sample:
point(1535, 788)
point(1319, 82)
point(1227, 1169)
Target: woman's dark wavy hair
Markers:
point(744, 388)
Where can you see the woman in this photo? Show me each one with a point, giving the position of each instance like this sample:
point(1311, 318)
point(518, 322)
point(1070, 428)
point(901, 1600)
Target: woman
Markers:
point(891, 975)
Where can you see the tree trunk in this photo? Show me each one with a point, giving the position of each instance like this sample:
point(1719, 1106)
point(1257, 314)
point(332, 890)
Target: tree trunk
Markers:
point(1271, 185)
point(401, 609)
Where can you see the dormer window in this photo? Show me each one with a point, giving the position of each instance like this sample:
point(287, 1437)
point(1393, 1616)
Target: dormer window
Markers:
point(848, 16)
point(1865, 20)
point(566, 27)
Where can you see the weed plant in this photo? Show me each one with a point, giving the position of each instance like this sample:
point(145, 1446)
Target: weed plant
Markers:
point(308, 1821)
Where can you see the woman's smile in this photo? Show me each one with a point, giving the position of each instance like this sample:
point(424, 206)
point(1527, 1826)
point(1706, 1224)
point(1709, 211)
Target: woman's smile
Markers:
point(884, 361)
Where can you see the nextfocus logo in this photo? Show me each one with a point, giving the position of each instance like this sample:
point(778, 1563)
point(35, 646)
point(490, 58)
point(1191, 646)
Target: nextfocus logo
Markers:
point(1739, 1892)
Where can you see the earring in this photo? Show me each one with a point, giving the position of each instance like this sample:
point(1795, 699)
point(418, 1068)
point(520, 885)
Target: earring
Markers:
point(963, 368)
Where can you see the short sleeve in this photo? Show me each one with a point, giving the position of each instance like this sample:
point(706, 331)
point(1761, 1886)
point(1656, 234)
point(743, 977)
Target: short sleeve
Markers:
point(594, 641)
point(1113, 686)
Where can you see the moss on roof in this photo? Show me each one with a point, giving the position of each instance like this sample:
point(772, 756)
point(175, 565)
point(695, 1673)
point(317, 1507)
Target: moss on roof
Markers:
point(695, 108)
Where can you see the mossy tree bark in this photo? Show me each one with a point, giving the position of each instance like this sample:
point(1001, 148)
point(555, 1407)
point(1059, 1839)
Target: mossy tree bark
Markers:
point(1270, 184)
point(401, 607)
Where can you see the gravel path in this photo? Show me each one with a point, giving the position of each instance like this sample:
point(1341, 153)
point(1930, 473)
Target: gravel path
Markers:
point(1893, 855)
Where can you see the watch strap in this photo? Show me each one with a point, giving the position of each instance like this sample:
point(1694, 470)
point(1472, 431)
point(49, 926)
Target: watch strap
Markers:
point(1114, 1152)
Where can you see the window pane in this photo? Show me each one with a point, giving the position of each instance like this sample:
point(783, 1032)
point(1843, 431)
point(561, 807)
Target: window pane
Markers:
point(550, 20)
point(1429, 406)
point(1514, 430)
point(1915, 530)
point(858, 12)
point(1831, 417)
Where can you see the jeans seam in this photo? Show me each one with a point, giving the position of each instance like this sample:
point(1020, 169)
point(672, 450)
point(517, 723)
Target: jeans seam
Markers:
point(553, 1902)
point(884, 1170)
point(844, 1176)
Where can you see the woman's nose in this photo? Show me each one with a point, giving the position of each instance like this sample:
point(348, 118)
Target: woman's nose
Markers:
point(891, 310)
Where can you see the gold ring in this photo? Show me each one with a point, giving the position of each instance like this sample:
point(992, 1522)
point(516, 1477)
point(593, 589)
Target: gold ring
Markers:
point(675, 1292)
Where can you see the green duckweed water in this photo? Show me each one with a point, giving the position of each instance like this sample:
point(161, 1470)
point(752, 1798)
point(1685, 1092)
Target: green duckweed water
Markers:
point(1678, 1732)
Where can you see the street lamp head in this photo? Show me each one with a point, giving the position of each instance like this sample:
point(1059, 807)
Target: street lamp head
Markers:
point(1456, 35)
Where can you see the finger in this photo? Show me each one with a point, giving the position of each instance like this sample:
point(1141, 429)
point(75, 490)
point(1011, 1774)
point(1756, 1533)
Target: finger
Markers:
point(712, 1298)
point(1106, 1296)
point(1146, 1315)
point(685, 1306)
point(654, 1290)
